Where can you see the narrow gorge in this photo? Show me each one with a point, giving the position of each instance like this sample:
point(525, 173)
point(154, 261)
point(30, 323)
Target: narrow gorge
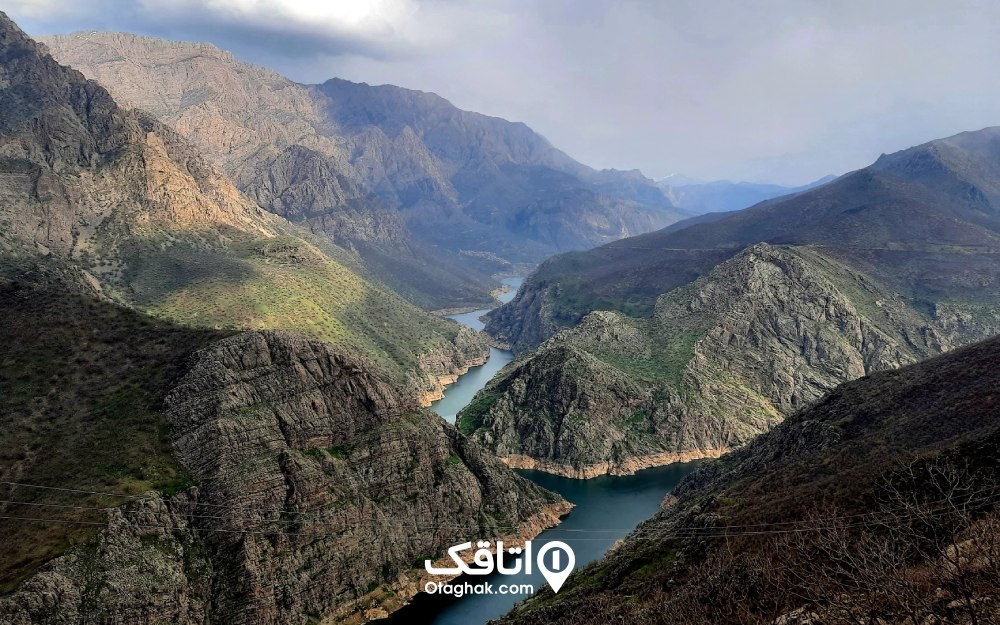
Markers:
point(604, 510)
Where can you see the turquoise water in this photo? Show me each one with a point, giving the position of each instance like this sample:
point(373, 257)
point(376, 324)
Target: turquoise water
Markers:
point(607, 509)
point(459, 394)
point(514, 284)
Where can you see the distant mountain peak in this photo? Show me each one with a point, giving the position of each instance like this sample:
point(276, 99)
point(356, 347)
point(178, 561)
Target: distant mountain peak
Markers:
point(402, 176)
point(679, 180)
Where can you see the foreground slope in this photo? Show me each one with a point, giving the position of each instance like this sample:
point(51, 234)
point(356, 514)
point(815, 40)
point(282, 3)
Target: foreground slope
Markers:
point(259, 477)
point(155, 226)
point(433, 197)
point(878, 504)
point(720, 360)
point(924, 222)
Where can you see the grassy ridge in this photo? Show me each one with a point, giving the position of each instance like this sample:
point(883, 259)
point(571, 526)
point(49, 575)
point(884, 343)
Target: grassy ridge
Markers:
point(285, 282)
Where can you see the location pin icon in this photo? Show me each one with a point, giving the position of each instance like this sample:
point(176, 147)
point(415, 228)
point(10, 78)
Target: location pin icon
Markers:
point(557, 577)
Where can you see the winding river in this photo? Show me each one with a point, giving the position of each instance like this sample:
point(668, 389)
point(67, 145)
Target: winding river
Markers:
point(459, 394)
point(607, 508)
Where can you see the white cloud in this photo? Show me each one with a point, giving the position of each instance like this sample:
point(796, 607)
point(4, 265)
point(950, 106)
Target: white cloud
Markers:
point(779, 89)
point(362, 19)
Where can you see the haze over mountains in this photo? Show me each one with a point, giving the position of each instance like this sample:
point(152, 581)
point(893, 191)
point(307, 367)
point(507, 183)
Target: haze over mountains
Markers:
point(724, 195)
point(435, 199)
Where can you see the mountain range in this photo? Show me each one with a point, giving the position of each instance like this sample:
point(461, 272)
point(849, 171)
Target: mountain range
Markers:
point(723, 196)
point(693, 340)
point(433, 198)
point(922, 221)
point(133, 208)
point(218, 356)
point(201, 397)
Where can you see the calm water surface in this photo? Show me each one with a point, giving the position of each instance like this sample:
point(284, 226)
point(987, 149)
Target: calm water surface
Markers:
point(607, 508)
point(459, 394)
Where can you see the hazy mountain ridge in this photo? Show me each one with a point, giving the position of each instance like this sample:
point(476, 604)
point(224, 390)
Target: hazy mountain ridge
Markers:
point(378, 167)
point(923, 222)
point(722, 196)
point(877, 503)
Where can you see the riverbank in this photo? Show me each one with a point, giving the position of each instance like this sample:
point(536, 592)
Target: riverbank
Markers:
point(607, 508)
point(454, 390)
point(501, 295)
point(629, 466)
point(439, 383)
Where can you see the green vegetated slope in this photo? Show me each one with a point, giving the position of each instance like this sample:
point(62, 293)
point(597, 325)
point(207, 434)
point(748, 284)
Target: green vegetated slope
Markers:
point(923, 222)
point(287, 282)
point(157, 227)
point(876, 504)
point(719, 361)
point(82, 381)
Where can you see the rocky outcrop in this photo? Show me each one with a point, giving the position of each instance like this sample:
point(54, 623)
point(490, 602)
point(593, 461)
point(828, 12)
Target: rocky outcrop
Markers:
point(442, 367)
point(79, 175)
point(720, 361)
point(627, 466)
point(146, 566)
point(529, 319)
point(813, 522)
point(320, 489)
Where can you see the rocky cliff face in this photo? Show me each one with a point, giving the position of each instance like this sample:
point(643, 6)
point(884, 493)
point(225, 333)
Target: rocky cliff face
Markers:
point(79, 173)
point(439, 368)
point(720, 361)
point(814, 521)
point(320, 488)
point(156, 226)
point(403, 170)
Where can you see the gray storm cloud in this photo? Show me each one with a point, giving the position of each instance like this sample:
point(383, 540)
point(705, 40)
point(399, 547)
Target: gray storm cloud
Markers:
point(776, 90)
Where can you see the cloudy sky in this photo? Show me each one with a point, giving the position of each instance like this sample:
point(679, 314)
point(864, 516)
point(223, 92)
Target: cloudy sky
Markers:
point(777, 90)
